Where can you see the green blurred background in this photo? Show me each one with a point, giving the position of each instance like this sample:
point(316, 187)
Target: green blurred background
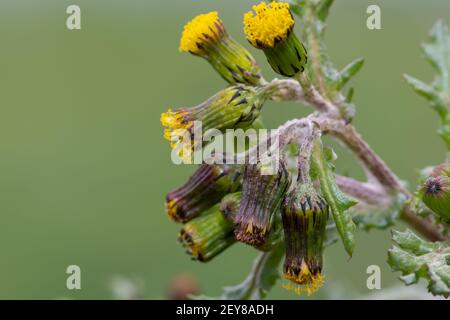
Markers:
point(84, 168)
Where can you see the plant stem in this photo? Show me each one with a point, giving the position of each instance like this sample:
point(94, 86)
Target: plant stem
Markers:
point(347, 134)
point(370, 194)
point(384, 175)
point(365, 191)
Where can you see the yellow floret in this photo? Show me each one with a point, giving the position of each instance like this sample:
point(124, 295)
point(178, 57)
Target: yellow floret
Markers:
point(174, 120)
point(172, 208)
point(305, 282)
point(270, 23)
point(176, 128)
point(202, 29)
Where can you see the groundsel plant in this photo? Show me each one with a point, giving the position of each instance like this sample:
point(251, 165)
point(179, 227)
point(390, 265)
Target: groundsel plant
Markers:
point(294, 209)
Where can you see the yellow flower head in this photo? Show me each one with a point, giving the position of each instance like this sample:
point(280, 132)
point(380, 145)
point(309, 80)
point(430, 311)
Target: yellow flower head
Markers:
point(305, 281)
point(175, 122)
point(176, 126)
point(269, 24)
point(203, 29)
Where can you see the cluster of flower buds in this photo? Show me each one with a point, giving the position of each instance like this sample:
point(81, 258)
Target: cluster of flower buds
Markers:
point(436, 191)
point(270, 28)
point(223, 204)
point(215, 216)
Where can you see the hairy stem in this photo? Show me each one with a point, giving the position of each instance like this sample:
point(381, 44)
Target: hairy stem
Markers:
point(290, 90)
point(386, 178)
point(367, 192)
point(373, 163)
point(371, 194)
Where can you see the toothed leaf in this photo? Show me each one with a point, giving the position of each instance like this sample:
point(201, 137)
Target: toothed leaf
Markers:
point(416, 258)
point(437, 52)
point(337, 200)
point(421, 88)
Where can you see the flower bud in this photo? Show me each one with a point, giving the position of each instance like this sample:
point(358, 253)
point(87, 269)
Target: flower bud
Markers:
point(304, 216)
point(204, 188)
point(207, 235)
point(271, 28)
point(233, 107)
point(262, 196)
point(436, 195)
point(205, 36)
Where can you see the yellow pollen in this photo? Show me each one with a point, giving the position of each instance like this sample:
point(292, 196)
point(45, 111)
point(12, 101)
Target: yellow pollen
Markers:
point(270, 23)
point(249, 228)
point(171, 208)
point(175, 124)
point(194, 247)
point(177, 132)
point(304, 282)
point(203, 29)
point(172, 119)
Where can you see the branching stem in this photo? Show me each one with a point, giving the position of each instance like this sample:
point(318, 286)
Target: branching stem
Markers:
point(290, 90)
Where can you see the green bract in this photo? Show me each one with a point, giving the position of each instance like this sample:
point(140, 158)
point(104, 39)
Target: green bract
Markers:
point(208, 235)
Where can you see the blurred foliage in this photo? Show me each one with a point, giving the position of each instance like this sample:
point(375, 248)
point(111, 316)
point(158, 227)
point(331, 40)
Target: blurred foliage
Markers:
point(260, 280)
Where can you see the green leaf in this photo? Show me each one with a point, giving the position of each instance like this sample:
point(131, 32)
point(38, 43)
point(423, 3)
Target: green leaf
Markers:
point(323, 9)
point(349, 96)
point(416, 258)
point(437, 52)
point(260, 280)
point(370, 217)
point(421, 88)
point(338, 202)
point(349, 72)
